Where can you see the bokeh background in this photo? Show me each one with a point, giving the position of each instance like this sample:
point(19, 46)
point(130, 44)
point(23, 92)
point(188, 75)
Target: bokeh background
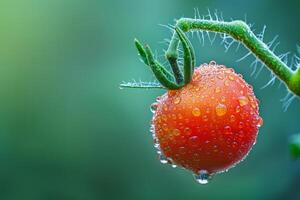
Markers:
point(68, 132)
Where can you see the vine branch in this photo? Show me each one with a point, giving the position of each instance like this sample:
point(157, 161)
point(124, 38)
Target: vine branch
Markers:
point(241, 32)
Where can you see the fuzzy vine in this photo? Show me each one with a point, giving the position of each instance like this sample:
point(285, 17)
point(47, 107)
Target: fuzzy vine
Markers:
point(238, 30)
point(241, 32)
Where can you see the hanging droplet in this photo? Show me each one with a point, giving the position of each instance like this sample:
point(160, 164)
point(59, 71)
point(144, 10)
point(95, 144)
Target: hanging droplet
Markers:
point(152, 129)
point(153, 107)
point(158, 151)
point(260, 122)
point(221, 110)
point(202, 177)
point(163, 159)
point(156, 145)
point(196, 112)
point(243, 100)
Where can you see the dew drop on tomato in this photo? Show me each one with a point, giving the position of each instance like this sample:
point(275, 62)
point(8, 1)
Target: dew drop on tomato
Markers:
point(153, 107)
point(202, 177)
point(221, 110)
point(163, 159)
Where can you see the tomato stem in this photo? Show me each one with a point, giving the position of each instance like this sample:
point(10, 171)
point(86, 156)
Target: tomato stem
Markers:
point(241, 32)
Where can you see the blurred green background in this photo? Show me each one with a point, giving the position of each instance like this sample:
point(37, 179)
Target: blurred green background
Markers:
point(68, 132)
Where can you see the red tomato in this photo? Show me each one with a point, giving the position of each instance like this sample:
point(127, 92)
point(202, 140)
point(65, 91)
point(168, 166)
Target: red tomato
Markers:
point(210, 124)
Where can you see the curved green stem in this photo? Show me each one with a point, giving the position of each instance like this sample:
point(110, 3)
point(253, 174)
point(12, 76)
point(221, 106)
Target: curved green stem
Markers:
point(241, 32)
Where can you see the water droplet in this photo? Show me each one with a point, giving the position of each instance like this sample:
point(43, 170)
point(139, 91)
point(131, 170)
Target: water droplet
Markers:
point(164, 117)
point(230, 77)
point(253, 105)
point(180, 116)
point(152, 129)
point(153, 107)
point(207, 110)
point(212, 63)
point(220, 76)
point(260, 122)
point(241, 125)
point(205, 118)
point(232, 118)
point(238, 109)
point(163, 159)
point(217, 90)
point(202, 177)
point(196, 112)
point(177, 100)
point(229, 71)
point(165, 108)
point(187, 131)
point(193, 141)
point(243, 100)
point(226, 83)
point(227, 130)
point(182, 150)
point(175, 132)
point(165, 127)
point(221, 110)
point(174, 117)
point(223, 99)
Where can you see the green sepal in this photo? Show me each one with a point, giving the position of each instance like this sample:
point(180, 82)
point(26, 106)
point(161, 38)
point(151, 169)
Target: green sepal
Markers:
point(159, 71)
point(189, 56)
point(141, 51)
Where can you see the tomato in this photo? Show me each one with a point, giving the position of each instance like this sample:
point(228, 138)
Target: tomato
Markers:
point(210, 124)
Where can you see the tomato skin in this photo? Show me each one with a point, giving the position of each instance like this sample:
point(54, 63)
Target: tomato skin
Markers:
point(210, 124)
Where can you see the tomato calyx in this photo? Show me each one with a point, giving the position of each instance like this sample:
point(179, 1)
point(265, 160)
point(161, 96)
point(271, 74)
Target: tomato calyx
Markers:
point(177, 79)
